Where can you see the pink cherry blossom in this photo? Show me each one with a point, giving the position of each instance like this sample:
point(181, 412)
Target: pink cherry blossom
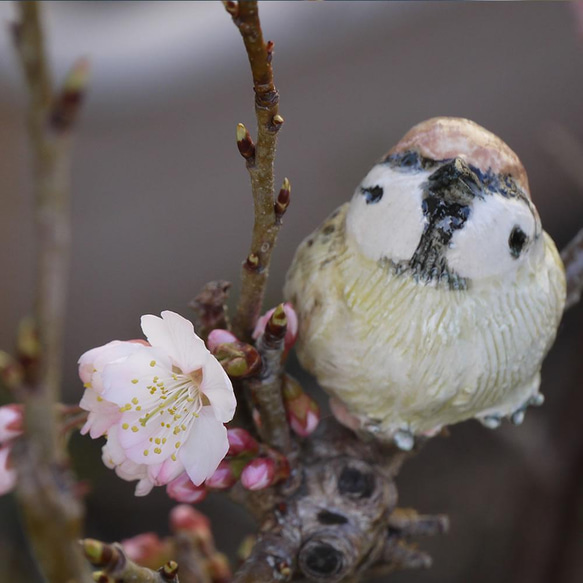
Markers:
point(307, 426)
point(182, 489)
point(163, 404)
point(291, 332)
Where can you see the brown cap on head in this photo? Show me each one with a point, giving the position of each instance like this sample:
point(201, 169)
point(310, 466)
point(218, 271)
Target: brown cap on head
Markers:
point(447, 137)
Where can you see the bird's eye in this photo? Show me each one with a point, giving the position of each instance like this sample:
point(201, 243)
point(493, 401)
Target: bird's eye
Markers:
point(410, 160)
point(372, 194)
point(516, 241)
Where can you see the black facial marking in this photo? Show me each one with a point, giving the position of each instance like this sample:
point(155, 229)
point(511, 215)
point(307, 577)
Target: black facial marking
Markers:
point(516, 241)
point(448, 195)
point(410, 161)
point(354, 483)
point(328, 229)
point(326, 517)
point(372, 194)
point(322, 559)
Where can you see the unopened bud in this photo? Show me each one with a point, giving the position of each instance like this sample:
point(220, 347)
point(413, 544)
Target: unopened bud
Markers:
point(244, 142)
point(241, 442)
point(219, 336)
point(169, 571)
point(277, 120)
point(264, 472)
point(185, 518)
point(225, 476)
point(27, 342)
point(67, 105)
point(291, 326)
point(219, 568)
point(102, 577)
point(146, 549)
point(246, 546)
point(303, 413)
point(182, 489)
point(11, 374)
point(98, 553)
point(282, 201)
point(276, 326)
point(252, 262)
point(239, 360)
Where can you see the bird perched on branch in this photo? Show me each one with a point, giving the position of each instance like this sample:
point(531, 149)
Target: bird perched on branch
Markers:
point(434, 294)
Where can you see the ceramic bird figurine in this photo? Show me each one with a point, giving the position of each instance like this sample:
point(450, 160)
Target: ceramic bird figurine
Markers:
point(434, 295)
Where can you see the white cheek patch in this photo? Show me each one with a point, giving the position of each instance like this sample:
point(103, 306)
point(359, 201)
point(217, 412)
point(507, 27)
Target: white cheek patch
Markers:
point(392, 226)
point(480, 249)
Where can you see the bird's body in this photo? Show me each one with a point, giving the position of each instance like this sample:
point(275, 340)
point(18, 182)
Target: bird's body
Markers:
point(409, 316)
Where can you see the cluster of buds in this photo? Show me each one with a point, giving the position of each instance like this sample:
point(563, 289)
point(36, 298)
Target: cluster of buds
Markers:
point(187, 526)
point(11, 427)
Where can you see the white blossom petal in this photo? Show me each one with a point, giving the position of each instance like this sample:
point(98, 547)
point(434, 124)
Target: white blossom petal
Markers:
point(206, 446)
point(102, 414)
point(218, 389)
point(176, 337)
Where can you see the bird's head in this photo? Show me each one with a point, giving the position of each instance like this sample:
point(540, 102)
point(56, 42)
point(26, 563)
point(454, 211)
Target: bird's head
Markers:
point(448, 204)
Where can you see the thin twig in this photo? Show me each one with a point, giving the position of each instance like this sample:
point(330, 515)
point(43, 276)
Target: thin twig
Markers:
point(260, 160)
point(45, 490)
point(115, 566)
point(572, 256)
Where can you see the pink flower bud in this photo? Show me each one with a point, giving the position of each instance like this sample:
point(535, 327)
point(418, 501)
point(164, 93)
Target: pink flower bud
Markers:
point(241, 442)
point(219, 336)
point(7, 472)
point(303, 413)
point(291, 332)
point(186, 518)
point(11, 422)
point(306, 426)
point(143, 548)
point(223, 478)
point(183, 490)
point(259, 473)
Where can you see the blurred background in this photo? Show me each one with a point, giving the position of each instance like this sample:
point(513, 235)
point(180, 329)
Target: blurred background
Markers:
point(162, 205)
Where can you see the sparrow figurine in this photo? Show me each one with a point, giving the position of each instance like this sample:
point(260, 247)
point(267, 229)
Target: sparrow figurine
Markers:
point(434, 295)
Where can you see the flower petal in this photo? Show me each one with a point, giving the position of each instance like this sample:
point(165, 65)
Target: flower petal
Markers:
point(175, 336)
point(102, 414)
point(218, 389)
point(206, 446)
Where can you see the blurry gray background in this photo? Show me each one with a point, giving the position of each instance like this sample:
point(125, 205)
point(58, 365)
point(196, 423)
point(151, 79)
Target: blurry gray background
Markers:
point(162, 205)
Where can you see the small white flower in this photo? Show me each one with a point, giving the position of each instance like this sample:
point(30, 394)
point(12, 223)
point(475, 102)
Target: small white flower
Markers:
point(172, 398)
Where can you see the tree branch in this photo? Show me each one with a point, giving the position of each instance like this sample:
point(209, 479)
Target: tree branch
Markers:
point(45, 489)
point(572, 256)
point(260, 161)
point(115, 566)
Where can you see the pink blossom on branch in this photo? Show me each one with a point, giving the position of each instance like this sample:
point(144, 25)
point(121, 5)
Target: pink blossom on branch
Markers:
point(162, 404)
